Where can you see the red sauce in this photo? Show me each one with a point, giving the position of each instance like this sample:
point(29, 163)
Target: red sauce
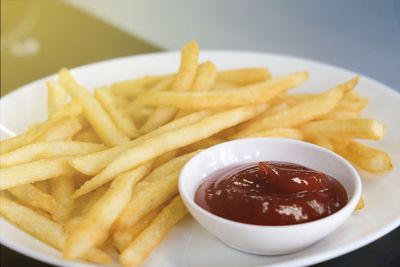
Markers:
point(271, 193)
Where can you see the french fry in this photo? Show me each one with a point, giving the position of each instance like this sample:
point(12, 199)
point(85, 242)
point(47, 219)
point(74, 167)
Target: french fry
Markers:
point(93, 111)
point(355, 128)
point(47, 150)
point(205, 143)
point(244, 76)
point(340, 114)
point(251, 94)
point(360, 204)
point(62, 189)
point(280, 132)
point(63, 130)
point(31, 195)
point(121, 239)
point(34, 171)
point(168, 141)
point(368, 158)
point(70, 110)
point(123, 122)
point(83, 204)
point(353, 105)
point(159, 186)
point(183, 81)
point(94, 227)
point(132, 88)
point(56, 97)
point(204, 81)
point(142, 246)
point(44, 186)
point(296, 115)
point(93, 163)
point(322, 141)
point(43, 228)
point(88, 136)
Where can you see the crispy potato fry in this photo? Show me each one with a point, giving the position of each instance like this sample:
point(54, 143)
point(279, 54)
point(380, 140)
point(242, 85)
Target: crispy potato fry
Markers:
point(93, 163)
point(45, 150)
point(296, 115)
point(134, 87)
point(205, 143)
point(340, 114)
point(123, 122)
point(62, 131)
point(94, 227)
point(322, 141)
point(93, 111)
point(44, 186)
point(204, 81)
point(168, 141)
point(43, 228)
point(355, 128)
point(121, 239)
point(31, 195)
point(353, 105)
point(165, 157)
point(70, 110)
point(34, 171)
point(244, 76)
point(280, 132)
point(83, 204)
point(251, 94)
point(159, 186)
point(62, 189)
point(142, 246)
point(360, 204)
point(56, 97)
point(88, 136)
point(183, 81)
point(368, 158)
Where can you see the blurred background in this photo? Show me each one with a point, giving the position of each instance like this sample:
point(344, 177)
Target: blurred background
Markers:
point(40, 37)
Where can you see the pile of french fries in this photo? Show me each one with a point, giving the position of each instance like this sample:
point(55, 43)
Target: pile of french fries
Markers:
point(101, 173)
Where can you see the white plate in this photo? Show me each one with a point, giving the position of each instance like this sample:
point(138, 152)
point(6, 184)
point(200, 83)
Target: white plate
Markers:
point(188, 244)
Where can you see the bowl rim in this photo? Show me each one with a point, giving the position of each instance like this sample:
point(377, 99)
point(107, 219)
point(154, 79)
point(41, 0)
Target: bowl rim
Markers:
point(351, 203)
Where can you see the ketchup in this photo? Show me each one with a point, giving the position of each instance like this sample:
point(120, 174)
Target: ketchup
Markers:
point(271, 193)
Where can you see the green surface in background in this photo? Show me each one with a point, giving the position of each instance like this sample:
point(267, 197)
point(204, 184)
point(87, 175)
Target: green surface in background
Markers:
point(40, 37)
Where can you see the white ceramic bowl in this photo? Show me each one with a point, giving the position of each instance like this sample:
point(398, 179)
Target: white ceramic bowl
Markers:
point(268, 240)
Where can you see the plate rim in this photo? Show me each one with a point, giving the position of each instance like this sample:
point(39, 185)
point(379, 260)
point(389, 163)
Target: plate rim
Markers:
point(306, 260)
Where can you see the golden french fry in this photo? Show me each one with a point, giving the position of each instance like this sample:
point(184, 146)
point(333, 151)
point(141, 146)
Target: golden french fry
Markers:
point(340, 114)
point(94, 227)
point(251, 94)
point(122, 238)
point(183, 81)
point(165, 157)
point(123, 122)
point(34, 171)
point(296, 115)
point(70, 110)
point(56, 97)
point(168, 141)
point(83, 204)
point(204, 81)
point(93, 111)
point(280, 132)
point(368, 158)
point(353, 105)
point(142, 246)
point(322, 141)
point(62, 189)
point(205, 143)
point(43, 228)
point(294, 99)
point(45, 150)
point(355, 128)
point(44, 186)
point(244, 76)
point(134, 87)
point(31, 195)
point(93, 163)
point(87, 135)
point(61, 131)
point(159, 186)
point(360, 204)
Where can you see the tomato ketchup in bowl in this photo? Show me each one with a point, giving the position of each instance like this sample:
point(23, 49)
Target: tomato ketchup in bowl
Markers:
point(269, 196)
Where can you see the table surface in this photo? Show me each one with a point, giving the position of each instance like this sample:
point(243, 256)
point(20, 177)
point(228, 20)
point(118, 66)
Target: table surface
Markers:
point(38, 36)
